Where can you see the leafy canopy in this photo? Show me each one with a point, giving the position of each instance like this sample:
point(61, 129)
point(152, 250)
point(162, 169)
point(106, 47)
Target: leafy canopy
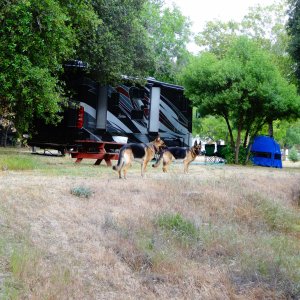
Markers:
point(34, 39)
point(244, 87)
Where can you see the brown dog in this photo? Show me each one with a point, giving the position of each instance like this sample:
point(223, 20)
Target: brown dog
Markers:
point(170, 153)
point(137, 151)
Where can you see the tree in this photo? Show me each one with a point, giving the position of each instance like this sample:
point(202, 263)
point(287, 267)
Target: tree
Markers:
point(211, 128)
point(113, 41)
point(38, 36)
point(244, 87)
point(263, 24)
point(34, 40)
point(293, 155)
point(169, 33)
point(293, 31)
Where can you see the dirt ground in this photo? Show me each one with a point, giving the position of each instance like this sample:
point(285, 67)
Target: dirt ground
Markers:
point(94, 248)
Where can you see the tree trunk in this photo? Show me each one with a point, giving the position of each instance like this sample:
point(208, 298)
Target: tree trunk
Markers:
point(230, 132)
point(246, 137)
point(270, 129)
point(238, 141)
point(4, 136)
point(248, 154)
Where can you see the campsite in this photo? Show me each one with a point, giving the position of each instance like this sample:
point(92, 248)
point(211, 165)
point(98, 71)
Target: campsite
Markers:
point(76, 231)
point(134, 166)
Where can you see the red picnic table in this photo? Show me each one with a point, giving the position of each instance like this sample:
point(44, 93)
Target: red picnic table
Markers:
point(98, 150)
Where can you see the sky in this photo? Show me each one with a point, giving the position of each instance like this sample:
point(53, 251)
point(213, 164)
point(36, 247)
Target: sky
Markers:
point(201, 11)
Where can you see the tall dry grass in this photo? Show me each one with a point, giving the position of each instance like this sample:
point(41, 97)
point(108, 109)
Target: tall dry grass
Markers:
point(220, 232)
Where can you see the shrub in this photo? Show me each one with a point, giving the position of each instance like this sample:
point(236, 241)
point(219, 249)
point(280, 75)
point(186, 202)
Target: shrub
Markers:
point(81, 191)
point(293, 155)
point(229, 154)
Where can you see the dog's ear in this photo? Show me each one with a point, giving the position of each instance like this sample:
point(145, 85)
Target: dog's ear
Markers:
point(195, 144)
point(158, 138)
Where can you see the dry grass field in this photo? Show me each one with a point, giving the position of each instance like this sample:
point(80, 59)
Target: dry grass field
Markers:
point(76, 231)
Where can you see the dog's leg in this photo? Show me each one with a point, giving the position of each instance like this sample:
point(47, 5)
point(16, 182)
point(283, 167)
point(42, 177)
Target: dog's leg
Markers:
point(165, 167)
point(186, 163)
point(144, 166)
point(125, 172)
point(185, 166)
point(167, 159)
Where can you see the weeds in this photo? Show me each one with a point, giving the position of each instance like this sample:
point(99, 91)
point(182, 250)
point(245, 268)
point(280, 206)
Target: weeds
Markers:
point(183, 230)
point(17, 162)
point(82, 192)
point(278, 217)
point(234, 238)
point(21, 265)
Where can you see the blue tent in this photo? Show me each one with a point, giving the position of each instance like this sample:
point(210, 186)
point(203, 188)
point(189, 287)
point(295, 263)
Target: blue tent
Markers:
point(266, 152)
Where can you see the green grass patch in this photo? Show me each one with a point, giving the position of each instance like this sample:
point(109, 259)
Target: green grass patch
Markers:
point(279, 217)
point(180, 228)
point(82, 192)
point(21, 261)
point(13, 159)
point(272, 260)
point(17, 162)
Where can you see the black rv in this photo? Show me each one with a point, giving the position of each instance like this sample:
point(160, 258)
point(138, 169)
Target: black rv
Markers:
point(124, 113)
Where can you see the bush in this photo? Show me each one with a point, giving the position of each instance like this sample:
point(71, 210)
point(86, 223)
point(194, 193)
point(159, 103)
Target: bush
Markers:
point(81, 191)
point(293, 155)
point(229, 154)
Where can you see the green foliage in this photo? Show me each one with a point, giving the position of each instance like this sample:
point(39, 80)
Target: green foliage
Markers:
point(244, 87)
point(211, 127)
point(293, 155)
point(293, 134)
point(37, 37)
point(178, 226)
point(263, 24)
point(286, 132)
point(229, 154)
point(293, 31)
point(115, 43)
point(81, 191)
point(34, 40)
point(169, 32)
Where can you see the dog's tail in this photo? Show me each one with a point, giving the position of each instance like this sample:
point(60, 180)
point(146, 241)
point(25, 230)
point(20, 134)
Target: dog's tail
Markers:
point(121, 161)
point(158, 160)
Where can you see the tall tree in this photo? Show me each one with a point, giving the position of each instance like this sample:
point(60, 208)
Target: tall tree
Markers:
point(263, 24)
point(37, 36)
point(244, 87)
point(294, 33)
point(34, 39)
point(115, 43)
point(169, 33)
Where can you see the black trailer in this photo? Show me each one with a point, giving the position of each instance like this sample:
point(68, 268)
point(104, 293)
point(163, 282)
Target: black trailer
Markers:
point(124, 113)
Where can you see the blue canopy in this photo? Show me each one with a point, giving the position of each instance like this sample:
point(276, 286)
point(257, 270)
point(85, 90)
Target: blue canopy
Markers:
point(266, 152)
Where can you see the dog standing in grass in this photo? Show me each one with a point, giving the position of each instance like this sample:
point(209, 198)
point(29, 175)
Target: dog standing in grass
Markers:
point(167, 155)
point(140, 152)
